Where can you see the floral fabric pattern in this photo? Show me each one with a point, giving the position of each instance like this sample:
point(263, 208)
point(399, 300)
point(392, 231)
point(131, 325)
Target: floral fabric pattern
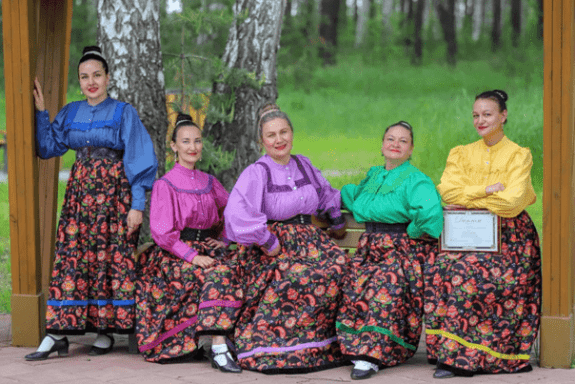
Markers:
point(483, 309)
point(92, 284)
point(177, 301)
point(287, 323)
point(380, 317)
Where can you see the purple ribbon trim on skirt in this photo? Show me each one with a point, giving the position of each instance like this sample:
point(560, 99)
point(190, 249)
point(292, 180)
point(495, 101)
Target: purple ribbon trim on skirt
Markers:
point(170, 333)
point(220, 303)
point(314, 344)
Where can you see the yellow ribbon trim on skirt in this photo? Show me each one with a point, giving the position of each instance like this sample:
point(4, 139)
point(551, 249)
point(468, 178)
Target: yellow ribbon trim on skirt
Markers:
point(476, 346)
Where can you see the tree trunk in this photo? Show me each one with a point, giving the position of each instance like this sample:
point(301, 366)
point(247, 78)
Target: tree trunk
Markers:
point(417, 57)
point(496, 30)
point(129, 35)
point(252, 45)
point(516, 22)
point(328, 30)
point(540, 19)
point(446, 14)
point(362, 22)
point(468, 19)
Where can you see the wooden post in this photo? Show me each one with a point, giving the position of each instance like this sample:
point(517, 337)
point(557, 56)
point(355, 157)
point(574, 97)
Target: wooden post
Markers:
point(557, 323)
point(30, 49)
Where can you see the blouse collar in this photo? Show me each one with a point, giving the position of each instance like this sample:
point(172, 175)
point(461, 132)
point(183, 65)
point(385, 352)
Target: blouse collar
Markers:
point(273, 164)
point(105, 103)
point(494, 148)
point(184, 171)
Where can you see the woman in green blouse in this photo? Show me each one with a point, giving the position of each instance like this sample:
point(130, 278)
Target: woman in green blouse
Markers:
point(380, 317)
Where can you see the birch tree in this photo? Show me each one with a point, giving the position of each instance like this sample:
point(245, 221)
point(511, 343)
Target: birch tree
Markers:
point(129, 35)
point(252, 45)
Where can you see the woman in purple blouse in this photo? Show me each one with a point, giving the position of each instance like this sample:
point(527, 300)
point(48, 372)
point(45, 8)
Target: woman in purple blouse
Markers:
point(291, 270)
point(187, 286)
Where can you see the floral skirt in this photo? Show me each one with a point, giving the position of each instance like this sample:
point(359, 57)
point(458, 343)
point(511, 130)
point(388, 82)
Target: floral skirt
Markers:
point(92, 284)
point(177, 301)
point(380, 317)
point(486, 312)
point(287, 323)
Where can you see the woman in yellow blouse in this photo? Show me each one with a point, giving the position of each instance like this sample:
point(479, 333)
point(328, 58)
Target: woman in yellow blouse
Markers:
point(484, 316)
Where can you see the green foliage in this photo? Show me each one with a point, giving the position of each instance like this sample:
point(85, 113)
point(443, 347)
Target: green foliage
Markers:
point(214, 159)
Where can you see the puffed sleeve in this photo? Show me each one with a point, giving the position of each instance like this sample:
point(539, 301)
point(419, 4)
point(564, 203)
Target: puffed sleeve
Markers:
point(518, 193)
point(50, 140)
point(245, 221)
point(140, 160)
point(350, 192)
point(456, 186)
point(329, 197)
point(423, 207)
point(163, 222)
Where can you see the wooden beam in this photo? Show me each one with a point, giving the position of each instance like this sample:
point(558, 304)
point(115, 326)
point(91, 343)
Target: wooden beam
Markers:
point(36, 43)
point(557, 322)
point(19, 29)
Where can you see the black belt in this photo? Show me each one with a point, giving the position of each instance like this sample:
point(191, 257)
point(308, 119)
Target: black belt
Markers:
point(99, 153)
point(386, 228)
point(297, 219)
point(191, 234)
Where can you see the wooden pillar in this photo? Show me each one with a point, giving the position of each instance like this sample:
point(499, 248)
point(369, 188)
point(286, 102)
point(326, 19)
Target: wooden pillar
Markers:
point(36, 42)
point(557, 323)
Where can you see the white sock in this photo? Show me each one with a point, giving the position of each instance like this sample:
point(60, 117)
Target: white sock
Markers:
point(365, 365)
point(221, 348)
point(103, 341)
point(48, 342)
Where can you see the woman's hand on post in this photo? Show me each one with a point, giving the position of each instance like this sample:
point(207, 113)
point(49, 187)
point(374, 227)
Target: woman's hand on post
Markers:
point(498, 187)
point(134, 220)
point(38, 96)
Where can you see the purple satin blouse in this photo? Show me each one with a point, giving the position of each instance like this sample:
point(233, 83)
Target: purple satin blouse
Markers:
point(267, 190)
point(184, 198)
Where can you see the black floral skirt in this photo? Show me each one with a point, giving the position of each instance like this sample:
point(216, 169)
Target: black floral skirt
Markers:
point(92, 284)
point(287, 323)
point(483, 309)
point(380, 317)
point(178, 301)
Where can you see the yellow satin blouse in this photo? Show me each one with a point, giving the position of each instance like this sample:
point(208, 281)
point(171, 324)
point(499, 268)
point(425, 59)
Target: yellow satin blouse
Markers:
point(473, 167)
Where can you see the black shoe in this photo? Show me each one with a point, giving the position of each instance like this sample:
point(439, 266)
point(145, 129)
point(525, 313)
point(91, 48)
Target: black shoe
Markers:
point(60, 346)
point(443, 374)
point(230, 365)
point(97, 351)
point(360, 374)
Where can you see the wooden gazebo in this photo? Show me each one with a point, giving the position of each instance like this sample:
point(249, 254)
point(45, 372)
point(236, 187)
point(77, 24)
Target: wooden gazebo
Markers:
point(36, 44)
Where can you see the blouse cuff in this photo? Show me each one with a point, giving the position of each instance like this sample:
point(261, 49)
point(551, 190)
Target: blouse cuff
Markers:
point(271, 243)
point(413, 231)
point(475, 191)
point(138, 198)
point(184, 252)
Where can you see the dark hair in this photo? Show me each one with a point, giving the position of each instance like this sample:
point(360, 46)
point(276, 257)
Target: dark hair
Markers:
point(93, 52)
point(403, 124)
point(268, 112)
point(183, 120)
point(497, 95)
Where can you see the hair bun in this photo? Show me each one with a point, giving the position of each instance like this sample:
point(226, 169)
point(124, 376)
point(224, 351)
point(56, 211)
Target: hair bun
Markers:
point(267, 108)
point(182, 118)
point(91, 48)
point(501, 94)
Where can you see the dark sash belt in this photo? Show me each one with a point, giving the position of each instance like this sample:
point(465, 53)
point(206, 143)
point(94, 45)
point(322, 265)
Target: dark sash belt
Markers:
point(386, 228)
point(298, 219)
point(99, 153)
point(192, 234)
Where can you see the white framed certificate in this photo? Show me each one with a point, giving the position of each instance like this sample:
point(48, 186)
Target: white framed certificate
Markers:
point(470, 230)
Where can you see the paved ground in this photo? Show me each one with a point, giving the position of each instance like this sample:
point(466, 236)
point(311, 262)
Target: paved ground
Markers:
point(119, 367)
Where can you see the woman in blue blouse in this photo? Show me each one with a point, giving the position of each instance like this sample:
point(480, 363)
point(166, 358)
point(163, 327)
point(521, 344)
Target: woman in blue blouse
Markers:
point(92, 284)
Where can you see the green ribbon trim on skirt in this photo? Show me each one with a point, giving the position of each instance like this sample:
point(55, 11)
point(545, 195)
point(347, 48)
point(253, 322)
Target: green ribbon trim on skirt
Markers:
point(373, 328)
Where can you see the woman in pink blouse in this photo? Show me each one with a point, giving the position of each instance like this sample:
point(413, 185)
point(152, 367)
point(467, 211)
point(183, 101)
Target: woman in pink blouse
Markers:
point(187, 285)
